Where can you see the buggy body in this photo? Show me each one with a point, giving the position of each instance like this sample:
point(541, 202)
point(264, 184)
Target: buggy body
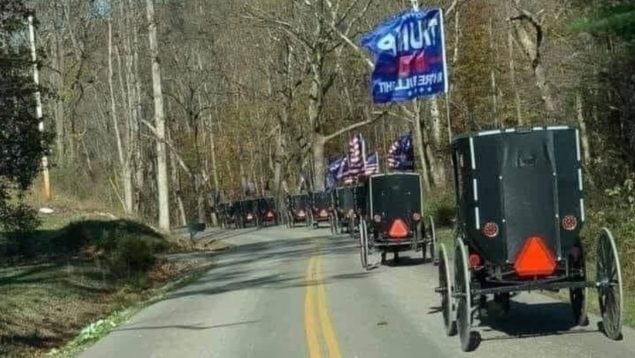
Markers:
point(520, 209)
point(321, 207)
point(267, 211)
point(517, 188)
point(393, 219)
point(345, 207)
point(250, 212)
point(298, 209)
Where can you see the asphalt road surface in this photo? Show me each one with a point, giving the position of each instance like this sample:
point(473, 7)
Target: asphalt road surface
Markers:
point(302, 293)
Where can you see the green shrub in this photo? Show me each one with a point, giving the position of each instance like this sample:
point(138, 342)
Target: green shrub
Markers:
point(128, 255)
point(441, 206)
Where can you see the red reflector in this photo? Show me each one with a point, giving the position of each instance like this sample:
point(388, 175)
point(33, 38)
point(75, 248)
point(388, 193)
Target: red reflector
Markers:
point(270, 214)
point(475, 260)
point(398, 229)
point(569, 222)
point(535, 259)
point(323, 213)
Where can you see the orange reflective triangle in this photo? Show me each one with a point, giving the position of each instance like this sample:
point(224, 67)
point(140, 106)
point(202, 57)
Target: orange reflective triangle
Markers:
point(535, 259)
point(398, 229)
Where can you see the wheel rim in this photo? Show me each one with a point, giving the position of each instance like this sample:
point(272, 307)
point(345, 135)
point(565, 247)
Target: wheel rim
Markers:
point(464, 301)
point(433, 243)
point(609, 284)
point(578, 304)
point(366, 245)
point(362, 246)
point(446, 294)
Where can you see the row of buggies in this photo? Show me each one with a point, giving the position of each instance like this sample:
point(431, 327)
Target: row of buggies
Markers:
point(248, 213)
point(519, 214)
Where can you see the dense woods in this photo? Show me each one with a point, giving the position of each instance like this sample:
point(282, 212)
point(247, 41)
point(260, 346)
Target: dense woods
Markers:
point(172, 104)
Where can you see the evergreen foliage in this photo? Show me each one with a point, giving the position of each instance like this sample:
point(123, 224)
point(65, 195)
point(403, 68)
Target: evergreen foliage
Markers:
point(21, 143)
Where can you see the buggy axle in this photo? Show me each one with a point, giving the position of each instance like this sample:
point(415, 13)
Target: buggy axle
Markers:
point(532, 287)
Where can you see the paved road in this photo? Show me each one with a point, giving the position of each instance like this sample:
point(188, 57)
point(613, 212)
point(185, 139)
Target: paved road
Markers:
point(300, 293)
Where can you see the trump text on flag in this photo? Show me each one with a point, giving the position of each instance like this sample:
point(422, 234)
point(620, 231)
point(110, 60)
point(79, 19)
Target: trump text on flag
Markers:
point(409, 56)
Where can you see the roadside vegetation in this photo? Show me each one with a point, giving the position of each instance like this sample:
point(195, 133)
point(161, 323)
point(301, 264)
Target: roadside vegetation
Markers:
point(256, 94)
point(81, 273)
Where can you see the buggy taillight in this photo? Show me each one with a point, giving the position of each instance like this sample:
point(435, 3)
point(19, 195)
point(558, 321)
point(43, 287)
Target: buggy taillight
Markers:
point(569, 223)
point(377, 218)
point(474, 260)
point(490, 230)
point(416, 217)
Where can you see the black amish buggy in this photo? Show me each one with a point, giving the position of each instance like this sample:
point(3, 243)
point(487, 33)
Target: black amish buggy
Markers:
point(394, 221)
point(267, 211)
point(223, 212)
point(247, 212)
point(234, 214)
point(298, 209)
point(321, 208)
point(520, 212)
point(350, 201)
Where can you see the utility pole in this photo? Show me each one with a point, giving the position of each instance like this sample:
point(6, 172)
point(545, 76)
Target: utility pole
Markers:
point(38, 107)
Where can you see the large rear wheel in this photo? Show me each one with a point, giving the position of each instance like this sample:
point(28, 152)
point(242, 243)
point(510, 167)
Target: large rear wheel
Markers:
point(609, 285)
point(363, 244)
point(462, 277)
point(445, 289)
point(432, 234)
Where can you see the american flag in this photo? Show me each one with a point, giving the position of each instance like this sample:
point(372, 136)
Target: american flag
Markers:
point(372, 164)
point(356, 154)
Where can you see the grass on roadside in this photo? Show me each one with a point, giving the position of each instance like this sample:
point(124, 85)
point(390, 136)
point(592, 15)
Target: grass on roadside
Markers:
point(75, 270)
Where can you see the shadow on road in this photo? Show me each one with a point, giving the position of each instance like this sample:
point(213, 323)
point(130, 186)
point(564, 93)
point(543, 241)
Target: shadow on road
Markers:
point(253, 265)
point(533, 320)
point(187, 327)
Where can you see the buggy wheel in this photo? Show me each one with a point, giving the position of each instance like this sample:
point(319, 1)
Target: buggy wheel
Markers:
point(609, 285)
point(578, 305)
point(332, 225)
point(363, 245)
point(469, 339)
point(434, 253)
point(351, 227)
point(445, 289)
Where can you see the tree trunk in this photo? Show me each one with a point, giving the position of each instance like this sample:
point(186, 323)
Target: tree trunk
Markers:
point(319, 168)
point(126, 173)
point(512, 74)
point(419, 145)
point(57, 61)
point(435, 154)
point(532, 50)
point(159, 116)
point(584, 138)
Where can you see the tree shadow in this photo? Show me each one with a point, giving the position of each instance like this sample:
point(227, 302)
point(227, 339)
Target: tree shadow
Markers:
point(196, 327)
point(533, 320)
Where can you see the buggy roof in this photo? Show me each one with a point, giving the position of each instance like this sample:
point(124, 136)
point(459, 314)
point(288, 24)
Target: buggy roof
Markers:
point(489, 132)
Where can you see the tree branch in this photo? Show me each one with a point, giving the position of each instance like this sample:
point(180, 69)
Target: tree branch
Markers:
point(354, 126)
point(172, 148)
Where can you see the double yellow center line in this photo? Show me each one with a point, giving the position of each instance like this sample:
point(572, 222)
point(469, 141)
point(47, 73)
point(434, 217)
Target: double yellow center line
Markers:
point(316, 314)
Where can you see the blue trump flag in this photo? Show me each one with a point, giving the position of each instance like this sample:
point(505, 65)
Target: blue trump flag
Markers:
point(401, 155)
point(409, 52)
